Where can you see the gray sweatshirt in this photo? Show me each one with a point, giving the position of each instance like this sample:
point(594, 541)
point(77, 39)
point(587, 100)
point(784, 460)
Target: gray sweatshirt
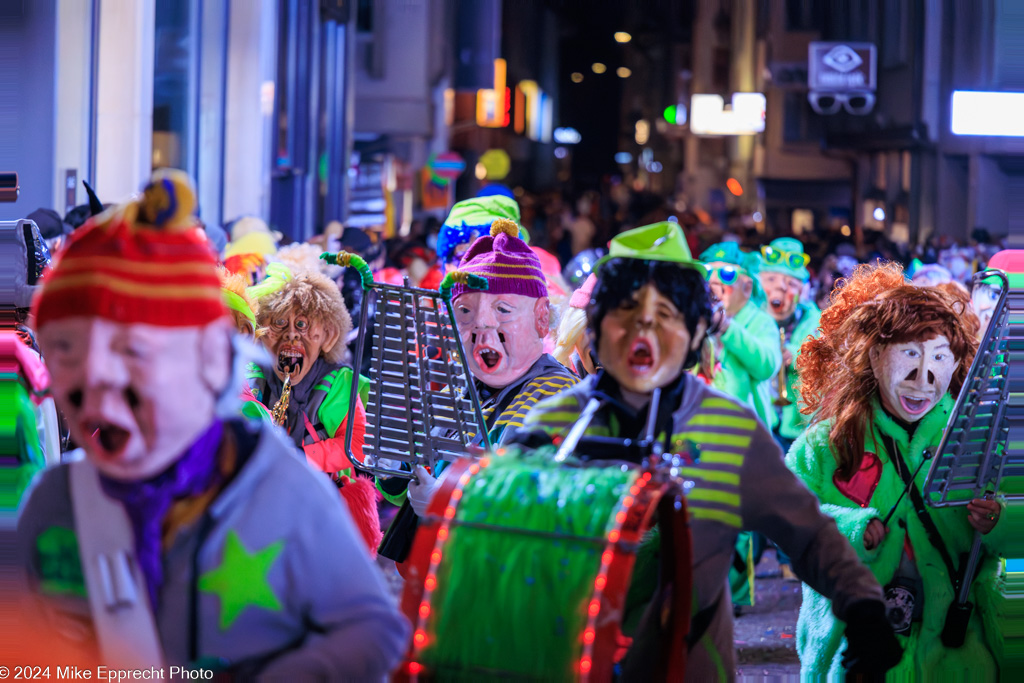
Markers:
point(312, 603)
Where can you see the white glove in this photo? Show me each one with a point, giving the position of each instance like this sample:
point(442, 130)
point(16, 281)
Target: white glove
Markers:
point(421, 490)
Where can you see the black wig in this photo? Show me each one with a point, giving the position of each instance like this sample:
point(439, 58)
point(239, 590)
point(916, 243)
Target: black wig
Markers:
point(620, 278)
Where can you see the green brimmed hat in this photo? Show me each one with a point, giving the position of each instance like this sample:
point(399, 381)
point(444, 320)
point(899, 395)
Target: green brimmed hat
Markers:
point(785, 255)
point(663, 241)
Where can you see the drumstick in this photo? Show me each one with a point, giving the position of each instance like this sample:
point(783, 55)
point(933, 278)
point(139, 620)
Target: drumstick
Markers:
point(568, 446)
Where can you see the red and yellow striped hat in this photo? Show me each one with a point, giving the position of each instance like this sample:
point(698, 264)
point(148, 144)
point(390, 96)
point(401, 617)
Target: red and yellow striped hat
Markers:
point(144, 262)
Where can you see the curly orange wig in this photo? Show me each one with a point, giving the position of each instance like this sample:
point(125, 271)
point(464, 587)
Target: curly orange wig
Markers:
point(873, 307)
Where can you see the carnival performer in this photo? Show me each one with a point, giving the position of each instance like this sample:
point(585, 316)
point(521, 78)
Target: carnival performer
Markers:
point(751, 357)
point(648, 316)
point(879, 384)
point(503, 331)
point(783, 276)
point(184, 537)
point(469, 220)
point(310, 388)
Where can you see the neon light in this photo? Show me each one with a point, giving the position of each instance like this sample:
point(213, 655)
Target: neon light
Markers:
point(595, 607)
point(415, 668)
point(987, 113)
point(420, 638)
point(431, 583)
point(708, 115)
point(585, 665)
point(424, 610)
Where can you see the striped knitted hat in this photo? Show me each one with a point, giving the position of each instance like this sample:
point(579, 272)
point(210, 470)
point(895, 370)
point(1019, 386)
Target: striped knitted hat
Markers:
point(145, 262)
point(505, 261)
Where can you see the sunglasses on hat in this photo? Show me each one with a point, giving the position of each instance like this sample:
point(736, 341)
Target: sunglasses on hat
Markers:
point(793, 259)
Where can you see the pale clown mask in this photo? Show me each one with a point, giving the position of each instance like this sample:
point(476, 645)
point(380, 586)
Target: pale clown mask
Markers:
point(295, 341)
point(783, 293)
point(136, 396)
point(730, 284)
point(644, 342)
point(913, 376)
point(503, 334)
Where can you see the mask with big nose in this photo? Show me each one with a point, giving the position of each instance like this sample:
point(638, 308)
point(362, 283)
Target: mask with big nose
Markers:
point(644, 342)
point(913, 376)
point(503, 334)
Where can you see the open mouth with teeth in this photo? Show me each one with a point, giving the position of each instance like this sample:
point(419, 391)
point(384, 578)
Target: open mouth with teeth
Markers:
point(487, 358)
point(108, 437)
point(915, 405)
point(290, 359)
point(641, 357)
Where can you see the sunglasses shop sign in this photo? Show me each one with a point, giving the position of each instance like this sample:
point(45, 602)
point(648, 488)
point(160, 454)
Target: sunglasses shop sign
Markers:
point(841, 73)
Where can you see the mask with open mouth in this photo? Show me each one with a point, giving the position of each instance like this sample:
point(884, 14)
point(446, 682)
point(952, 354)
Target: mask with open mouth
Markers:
point(913, 376)
point(644, 343)
point(295, 342)
point(783, 292)
point(503, 334)
point(136, 396)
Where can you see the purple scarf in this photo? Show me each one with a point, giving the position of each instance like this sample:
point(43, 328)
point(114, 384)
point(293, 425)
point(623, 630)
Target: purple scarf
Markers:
point(147, 502)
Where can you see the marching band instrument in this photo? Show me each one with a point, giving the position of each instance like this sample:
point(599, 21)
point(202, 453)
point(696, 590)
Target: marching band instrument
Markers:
point(552, 542)
point(782, 380)
point(422, 400)
point(281, 407)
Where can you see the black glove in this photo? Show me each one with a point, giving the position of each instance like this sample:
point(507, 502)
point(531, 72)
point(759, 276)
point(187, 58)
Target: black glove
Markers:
point(872, 648)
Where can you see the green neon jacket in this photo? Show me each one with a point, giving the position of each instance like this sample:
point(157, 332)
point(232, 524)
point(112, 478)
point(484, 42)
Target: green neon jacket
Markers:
point(820, 641)
point(751, 358)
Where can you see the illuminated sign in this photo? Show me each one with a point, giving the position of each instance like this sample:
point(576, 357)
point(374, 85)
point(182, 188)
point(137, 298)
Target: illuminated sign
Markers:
point(745, 116)
point(534, 112)
point(988, 113)
point(492, 105)
point(567, 136)
point(840, 67)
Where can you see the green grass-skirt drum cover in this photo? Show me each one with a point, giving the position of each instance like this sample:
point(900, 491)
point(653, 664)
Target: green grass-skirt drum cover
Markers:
point(522, 565)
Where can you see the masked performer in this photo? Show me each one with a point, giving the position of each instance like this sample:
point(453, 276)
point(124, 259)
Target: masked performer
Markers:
point(649, 313)
point(502, 330)
point(783, 276)
point(878, 384)
point(469, 220)
point(309, 390)
point(751, 357)
point(184, 537)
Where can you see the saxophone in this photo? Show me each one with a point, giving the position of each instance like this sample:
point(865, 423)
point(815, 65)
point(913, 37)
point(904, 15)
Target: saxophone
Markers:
point(281, 406)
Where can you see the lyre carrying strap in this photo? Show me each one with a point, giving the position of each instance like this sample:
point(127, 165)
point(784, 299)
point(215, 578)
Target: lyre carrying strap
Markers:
point(118, 597)
point(919, 507)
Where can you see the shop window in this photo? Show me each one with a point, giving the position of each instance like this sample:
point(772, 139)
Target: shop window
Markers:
point(174, 68)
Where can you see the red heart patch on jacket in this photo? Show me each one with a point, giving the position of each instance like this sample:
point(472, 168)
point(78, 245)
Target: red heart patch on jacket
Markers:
point(864, 481)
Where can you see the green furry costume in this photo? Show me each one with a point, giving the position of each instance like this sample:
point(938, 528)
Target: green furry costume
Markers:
point(820, 639)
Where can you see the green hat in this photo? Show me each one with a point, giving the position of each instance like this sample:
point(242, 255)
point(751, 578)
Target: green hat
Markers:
point(475, 215)
point(657, 242)
point(785, 255)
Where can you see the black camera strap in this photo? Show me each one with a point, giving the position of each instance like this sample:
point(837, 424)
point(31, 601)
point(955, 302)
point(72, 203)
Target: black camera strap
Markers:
point(922, 512)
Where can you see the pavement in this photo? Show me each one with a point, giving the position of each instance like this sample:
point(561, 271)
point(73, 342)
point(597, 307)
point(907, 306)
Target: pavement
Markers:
point(765, 633)
point(765, 640)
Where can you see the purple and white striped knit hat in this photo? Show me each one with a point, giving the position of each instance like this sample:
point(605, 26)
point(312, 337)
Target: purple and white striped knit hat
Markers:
point(505, 261)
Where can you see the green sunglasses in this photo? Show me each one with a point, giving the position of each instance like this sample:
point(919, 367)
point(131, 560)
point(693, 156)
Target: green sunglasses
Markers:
point(793, 259)
point(727, 275)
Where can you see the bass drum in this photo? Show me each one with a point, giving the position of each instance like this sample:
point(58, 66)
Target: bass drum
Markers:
point(528, 568)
